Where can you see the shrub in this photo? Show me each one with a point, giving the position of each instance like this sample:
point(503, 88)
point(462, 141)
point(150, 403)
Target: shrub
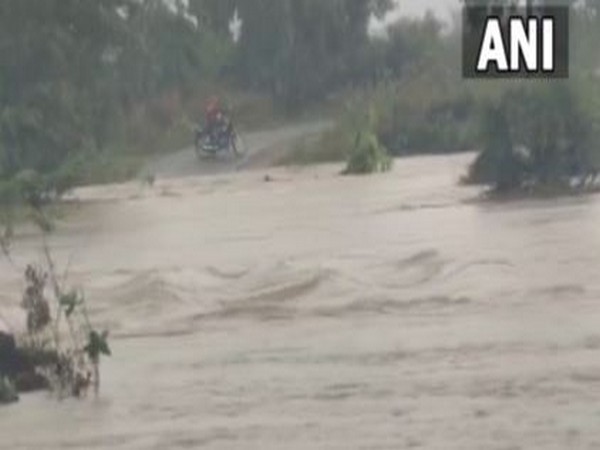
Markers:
point(367, 155)
point(422, 113)
point(69, 366)
point(8, 392)
point(499, 164)
point(61, 348)
point(537, 135)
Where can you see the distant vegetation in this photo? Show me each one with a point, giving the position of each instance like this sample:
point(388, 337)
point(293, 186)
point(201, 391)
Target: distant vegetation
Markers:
point(531, 135)
point(543, 136)
point(537, 136)
point(89, 88)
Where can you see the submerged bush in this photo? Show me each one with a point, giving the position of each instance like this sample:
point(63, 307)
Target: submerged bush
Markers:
point(423, 113)
point(535, 136)
point(367, 155)
point(499, 163)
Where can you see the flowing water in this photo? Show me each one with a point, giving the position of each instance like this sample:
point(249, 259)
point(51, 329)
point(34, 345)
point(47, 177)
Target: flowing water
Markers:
point(325, 312)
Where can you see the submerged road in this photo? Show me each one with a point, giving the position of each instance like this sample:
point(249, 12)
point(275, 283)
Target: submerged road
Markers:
point(263, 148)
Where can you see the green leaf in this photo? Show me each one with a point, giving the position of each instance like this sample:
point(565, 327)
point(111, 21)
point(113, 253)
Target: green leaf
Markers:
point(97, 345)
point(70, 302)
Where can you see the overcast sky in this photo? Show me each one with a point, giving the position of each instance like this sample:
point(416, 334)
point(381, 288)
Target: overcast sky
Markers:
point(417, 8)
point(442, 9)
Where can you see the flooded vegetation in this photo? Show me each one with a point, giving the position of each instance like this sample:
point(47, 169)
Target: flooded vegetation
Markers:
point(398, 258)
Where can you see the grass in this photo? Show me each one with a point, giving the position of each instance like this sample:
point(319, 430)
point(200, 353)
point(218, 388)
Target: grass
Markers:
point(313, 150)
point(163, 125)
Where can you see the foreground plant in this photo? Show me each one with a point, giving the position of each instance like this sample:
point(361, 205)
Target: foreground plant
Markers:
point(68, 335)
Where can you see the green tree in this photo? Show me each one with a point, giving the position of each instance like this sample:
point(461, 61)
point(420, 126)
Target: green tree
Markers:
point(72, 68)
point(538, 135)
point(213, 14)
point(299, 49)
point(52, 98)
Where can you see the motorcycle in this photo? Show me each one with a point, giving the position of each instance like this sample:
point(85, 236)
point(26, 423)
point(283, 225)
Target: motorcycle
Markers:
point(223, 138)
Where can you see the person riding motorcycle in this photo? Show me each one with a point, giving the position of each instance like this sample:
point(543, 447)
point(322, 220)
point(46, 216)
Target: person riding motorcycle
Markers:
point(215, 118)
point(218, 133)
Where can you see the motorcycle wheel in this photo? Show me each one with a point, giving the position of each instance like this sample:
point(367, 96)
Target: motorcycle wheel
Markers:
point(203, 146)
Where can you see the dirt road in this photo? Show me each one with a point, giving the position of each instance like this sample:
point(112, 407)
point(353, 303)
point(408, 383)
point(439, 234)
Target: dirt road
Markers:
point(326, 312)
point(262, 149)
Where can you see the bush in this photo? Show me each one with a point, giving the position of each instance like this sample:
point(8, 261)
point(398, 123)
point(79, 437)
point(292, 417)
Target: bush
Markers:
point(536, 136)
point(422, 113)
point(367, 155)
point(31, 188)
point(499, 163)
point(69, 368)
point(44, 359)
point(8, 392)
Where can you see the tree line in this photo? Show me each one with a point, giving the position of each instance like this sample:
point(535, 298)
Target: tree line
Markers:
point(73, 70)
point(77, 74)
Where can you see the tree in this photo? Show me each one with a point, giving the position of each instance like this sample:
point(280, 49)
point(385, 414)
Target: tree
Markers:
point(213, 14)
point(71, 68)
point(51, 90)
point(538, 135)
point(299, 49)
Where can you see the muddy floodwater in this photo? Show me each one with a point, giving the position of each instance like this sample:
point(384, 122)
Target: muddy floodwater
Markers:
point(317, 311)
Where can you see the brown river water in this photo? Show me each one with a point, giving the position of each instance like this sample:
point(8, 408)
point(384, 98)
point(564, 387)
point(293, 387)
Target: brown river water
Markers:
point(317, 311)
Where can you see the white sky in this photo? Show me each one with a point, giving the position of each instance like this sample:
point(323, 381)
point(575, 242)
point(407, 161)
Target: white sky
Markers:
point(442, 9)
point(417, 8)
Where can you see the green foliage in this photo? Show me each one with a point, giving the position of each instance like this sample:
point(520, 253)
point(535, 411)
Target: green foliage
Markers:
point(88, 88)
point(68, 366)
point(69, 302)
point(72, 70)
point(421, 103)
point(52, 62)
point(367, 156)
point(316, 149)
point(409, 44)
point(34, 301)
point(423, 114)
point(97, 345)
point(498, 163)
point(213, 14)
point(537, 135)
point(300, 49)
point(166, 51)
point(8, 391)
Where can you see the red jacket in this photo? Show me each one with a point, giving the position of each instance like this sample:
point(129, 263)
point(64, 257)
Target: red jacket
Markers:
point(212, 111)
